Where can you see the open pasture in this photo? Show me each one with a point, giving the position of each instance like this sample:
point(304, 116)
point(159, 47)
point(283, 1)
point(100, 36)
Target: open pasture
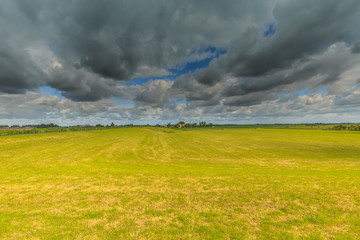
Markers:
point(158, 183)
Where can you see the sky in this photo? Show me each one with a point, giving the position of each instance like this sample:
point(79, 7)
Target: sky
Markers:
point(147, 62)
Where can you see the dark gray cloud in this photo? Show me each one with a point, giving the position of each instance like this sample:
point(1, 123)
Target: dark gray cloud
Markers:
point(356, 48)
point(326, 68)
point(249, 99)
point(88, 87)
point(115, 39)
point(310, 49)
point(315, 73)
point(303, 28)
point(90, 50)
point(17, 71)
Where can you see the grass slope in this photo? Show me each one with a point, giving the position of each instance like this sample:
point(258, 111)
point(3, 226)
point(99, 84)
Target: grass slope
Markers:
point(146, 183)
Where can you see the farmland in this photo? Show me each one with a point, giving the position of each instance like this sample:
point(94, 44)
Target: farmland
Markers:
point(159, 183)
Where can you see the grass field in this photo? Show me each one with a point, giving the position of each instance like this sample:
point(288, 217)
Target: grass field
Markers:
point(153, 183)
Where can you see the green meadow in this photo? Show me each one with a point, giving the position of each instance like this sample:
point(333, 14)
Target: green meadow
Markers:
point(159, 183)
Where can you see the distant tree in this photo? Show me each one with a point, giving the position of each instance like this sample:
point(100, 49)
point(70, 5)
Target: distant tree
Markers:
point(202, 124)
point(43, 125)
point(99, 125)
point(180, 124)
point(112, 124)
point(169, 125)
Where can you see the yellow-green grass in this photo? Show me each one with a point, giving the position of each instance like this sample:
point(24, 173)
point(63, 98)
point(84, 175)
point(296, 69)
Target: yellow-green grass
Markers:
point(153, 183)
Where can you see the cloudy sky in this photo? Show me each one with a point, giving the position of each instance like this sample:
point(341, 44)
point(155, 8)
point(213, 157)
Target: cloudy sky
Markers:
point(159, 61)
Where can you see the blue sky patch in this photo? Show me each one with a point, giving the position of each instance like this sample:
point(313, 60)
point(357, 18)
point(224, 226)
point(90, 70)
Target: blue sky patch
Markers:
point(128, 104)
point(188, 67)
point(122, 102)
point(46, 90)
point(307, 91)
point(192, 66)
point(271, 29)
point(141, 81)
point(322, 90)
point(180, 100)
point(118, 99)
point(302, 92)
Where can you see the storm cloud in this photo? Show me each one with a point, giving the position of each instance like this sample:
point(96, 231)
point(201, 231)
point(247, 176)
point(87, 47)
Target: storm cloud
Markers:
point(164, 60)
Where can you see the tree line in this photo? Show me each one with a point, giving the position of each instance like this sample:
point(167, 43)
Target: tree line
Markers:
point(182, 124)
point(347, 127)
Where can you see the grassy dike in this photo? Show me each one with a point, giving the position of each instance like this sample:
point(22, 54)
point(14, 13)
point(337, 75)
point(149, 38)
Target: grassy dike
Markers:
point(154, 183)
